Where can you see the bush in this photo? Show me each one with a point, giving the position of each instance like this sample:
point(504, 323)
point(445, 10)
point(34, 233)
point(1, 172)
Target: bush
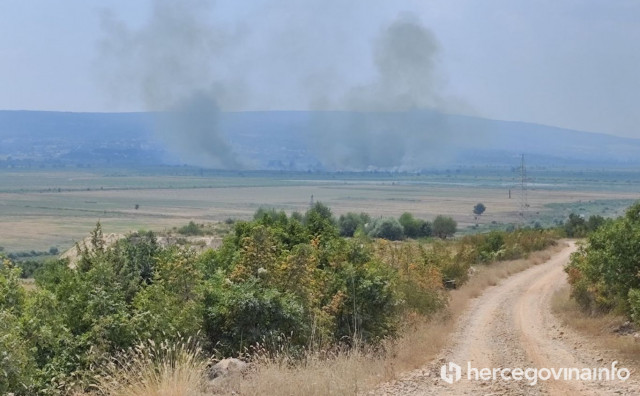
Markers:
point(319, 220)
point(388, 228)
point(603, 273)
point(191, 229)
point(414, 228)
point(577, 227)
point(16, 365)
point(242, 315)
point(270, 216)
point(444, 227)
point(29, 268)
point(350, 222)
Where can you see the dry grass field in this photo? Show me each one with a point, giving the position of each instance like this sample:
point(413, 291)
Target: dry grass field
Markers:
point(43, 209)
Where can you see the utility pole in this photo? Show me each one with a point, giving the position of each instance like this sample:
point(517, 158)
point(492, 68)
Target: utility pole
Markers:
point(524, 204)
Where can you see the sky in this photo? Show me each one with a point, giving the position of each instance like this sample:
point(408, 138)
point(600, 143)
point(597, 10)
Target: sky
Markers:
point(569, 63)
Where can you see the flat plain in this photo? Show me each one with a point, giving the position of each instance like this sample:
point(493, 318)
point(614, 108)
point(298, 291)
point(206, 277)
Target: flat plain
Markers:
point(55, 208)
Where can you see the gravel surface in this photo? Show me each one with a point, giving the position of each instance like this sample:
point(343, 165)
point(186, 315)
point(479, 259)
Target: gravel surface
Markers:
point(511, 326)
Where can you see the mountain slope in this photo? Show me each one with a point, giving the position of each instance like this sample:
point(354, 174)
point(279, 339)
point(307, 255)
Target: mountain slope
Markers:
point(311, 140)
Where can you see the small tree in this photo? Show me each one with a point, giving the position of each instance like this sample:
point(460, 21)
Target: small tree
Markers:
point(414, 228)
point(409, 224)
point(388, 228)
point(319, 220)
point(478, 210)
point(444, 227)
point(349, 223)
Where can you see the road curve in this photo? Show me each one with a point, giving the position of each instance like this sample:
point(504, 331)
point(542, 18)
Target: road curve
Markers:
point(511, 326)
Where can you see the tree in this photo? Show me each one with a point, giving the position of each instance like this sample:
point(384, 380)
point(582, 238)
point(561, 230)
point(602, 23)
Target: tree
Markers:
point(575, 226)
point(388, 228)
point(414, 228)
point(444, 227)
point(190, 229)
point(319, 220)
point(479, 209)
point(349, 223)
point(409, 224)
point(604, 272)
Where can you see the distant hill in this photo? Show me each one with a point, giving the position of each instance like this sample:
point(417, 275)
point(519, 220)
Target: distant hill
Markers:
point(308, 140)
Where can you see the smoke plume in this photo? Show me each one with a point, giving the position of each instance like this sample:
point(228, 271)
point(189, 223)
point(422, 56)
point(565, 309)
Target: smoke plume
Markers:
point(169, 63)
point(396, 121)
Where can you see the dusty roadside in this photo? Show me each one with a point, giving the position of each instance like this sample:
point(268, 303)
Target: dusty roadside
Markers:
point(511, 325)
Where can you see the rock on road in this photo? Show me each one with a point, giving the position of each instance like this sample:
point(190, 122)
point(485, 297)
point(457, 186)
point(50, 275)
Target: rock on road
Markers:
point(511, 326)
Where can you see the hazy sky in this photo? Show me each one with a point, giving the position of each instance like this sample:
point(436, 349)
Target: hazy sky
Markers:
point(569, 63)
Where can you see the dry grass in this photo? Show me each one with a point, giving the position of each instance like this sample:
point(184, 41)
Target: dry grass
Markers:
point(597, 328)
point(35, 219)
point(168, 369)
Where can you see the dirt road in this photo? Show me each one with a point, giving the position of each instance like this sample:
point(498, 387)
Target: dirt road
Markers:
point(511, 326)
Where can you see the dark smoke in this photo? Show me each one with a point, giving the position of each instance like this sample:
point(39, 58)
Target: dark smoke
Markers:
point(396, 122)
point(169, 64)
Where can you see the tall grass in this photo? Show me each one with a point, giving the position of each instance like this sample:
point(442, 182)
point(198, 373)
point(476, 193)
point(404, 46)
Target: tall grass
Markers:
point(599, 328)
point(150, 369)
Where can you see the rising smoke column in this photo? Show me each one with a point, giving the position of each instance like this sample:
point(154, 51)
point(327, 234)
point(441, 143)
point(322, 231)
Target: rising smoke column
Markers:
point(395, 122)
point(169, 64)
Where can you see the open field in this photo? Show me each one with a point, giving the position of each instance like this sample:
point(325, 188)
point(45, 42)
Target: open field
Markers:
point(40, 209)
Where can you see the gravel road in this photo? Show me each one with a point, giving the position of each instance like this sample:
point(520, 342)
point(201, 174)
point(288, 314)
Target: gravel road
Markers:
point(511, 326)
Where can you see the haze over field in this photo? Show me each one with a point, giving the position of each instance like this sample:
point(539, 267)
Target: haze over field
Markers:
point(289, 141)
point(393, 70)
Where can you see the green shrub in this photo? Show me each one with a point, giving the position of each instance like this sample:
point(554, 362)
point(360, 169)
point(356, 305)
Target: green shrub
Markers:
point(414, 228)
point(240, 315)
point(191, 229)
point(444, 227)
point(388, 228)
point(16, 365)
point(350, 222)
point(603, 274)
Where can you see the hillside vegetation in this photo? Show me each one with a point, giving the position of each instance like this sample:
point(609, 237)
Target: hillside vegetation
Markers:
point(278, 284)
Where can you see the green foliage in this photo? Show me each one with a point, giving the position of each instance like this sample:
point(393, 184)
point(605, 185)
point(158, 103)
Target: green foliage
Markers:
point(350, 222)
point(502, 245)
point(388, 228)
point(16, 365)
point(191, 229)
point(270, 217)
point(277, 281)
point(240, 315)
point(319, 220)
point(12, 295)
point(479, 209)
point(577, 227)
point(414, 228)
point(444, 227)
point(306, 285)
point(604, 272)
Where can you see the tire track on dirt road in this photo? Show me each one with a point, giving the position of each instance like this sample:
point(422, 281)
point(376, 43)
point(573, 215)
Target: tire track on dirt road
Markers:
point(511, 326)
